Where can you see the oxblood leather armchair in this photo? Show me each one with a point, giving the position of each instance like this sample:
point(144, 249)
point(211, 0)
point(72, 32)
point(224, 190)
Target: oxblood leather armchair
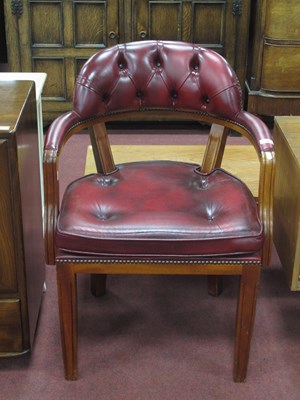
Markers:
point(158, 217)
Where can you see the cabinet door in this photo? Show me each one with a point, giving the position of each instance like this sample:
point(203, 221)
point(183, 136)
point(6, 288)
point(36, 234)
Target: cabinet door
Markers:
point(221, 25)
point(56, 37)
point(207, 23)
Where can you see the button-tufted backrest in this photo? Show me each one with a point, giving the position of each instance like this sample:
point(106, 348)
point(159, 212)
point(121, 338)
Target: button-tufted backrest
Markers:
point(157, 75)
point(154, 80)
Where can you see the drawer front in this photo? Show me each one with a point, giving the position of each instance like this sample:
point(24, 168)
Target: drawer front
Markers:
point(280, 69)
point(282, 20)
point(10, 326)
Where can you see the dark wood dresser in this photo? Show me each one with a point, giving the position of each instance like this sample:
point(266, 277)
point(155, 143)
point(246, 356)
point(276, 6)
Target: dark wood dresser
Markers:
point(22, 265)
point(273, 81)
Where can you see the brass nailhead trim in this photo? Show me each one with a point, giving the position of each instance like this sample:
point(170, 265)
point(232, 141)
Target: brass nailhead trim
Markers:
point(107, 261)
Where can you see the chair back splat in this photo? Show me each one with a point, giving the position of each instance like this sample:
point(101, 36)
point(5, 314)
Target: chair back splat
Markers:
point(158, 217)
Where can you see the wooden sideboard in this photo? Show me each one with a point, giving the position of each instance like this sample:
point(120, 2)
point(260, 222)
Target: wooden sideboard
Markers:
point(273, 77)
point(22, 263)
point(287, 196)
point(58, 36)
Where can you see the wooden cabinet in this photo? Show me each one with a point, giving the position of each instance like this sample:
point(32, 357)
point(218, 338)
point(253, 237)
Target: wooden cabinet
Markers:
point(287, 196)
point(22, 264)
point(57, 36)
point(273, 81)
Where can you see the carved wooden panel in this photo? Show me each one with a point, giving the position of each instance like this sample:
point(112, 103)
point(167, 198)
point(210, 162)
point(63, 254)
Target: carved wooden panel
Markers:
point(149, 19)
point(46, 23)
point(89, 24)
point(208, 22)
point(54, 89)
point(52, 35)
point(159, 13)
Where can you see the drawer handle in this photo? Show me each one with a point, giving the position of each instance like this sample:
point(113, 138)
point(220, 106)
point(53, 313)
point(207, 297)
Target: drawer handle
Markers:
point(143, 34)
point(17, 7)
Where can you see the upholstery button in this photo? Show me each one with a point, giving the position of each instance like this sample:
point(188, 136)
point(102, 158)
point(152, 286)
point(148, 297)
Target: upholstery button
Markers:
point(105, 97)
point(121, 65)
point(196, 67)
point(207, 100)
point(174, 95)
point(106, 181)
point(139, 94)
point(203, 183)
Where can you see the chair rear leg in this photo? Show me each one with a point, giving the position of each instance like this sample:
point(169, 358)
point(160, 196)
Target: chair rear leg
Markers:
point(67, 302)
point(245, 320)
point(98, 284)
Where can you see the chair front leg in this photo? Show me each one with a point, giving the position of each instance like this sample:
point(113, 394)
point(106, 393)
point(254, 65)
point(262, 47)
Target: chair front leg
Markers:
point(249, 282)
point(67, 302)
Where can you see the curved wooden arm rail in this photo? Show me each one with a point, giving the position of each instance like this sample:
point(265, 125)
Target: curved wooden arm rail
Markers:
point(122, 219)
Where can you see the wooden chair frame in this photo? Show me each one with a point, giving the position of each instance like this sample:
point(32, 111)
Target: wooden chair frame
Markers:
point(69, 266)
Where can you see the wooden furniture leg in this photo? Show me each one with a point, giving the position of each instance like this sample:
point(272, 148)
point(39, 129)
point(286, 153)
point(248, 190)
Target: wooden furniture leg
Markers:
point(67, 302)
point(249, 282)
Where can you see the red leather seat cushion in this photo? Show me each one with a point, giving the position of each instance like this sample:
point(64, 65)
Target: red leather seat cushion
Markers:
point(159, 208)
